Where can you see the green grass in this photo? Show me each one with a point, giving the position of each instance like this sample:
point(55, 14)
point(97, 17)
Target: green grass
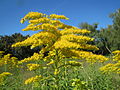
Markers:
point(87, 78)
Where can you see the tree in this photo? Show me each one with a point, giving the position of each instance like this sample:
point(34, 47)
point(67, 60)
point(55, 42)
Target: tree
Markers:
point(103, 41)
point(116, 19)
point(107, 39)
point(87, 26)
point(110, 36)
point(116, 30)
point(94, 34)
point(20, 52)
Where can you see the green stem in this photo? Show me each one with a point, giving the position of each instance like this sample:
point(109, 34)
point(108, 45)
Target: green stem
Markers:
point(5, 67)
point(88, 78)
point(56, 67)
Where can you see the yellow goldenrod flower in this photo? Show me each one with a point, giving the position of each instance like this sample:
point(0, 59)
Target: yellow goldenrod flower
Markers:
point(52, 62)
point(56, 72)
point(74, 31)
point(5, 74)
point(54, 16)
point(32, 15)
point(33, 66)
point(8, 60)
point(74, 63)
point(33, 79)
point(35, 57)
point(116, 52)
point(1, 52)
point(40, 20)
point(58, 40)
point(113, 67)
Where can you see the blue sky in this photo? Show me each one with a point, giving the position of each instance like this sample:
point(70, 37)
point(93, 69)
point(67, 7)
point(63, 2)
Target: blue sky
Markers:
point(91, 11)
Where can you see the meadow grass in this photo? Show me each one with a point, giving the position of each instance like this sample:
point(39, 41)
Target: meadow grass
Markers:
point(87, 77)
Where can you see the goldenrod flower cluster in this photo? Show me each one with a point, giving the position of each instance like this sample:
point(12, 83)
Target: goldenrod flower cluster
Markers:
point(114, 66)
point(77, 82)
point(92, 58)
point(74, 63)
point(57, 35)
point(64, 44)
point(37, 39)
point(41, 20)
point(64, 26)
point(45, 26)
point(74, 31)
point(56, 22)
point(86, 56)
point(1, 53)
point(54, 16)
point(51, 62)
point(32, 15)
point(75, 38)
point(33, 79)
point(56, 72)
point(52, 36)
point(59, 40)
point(116, 57)
point(32, 66)
point(51, 56)
point(3, 75)
point(7, 59)
point(35, 57)
point(109, 68)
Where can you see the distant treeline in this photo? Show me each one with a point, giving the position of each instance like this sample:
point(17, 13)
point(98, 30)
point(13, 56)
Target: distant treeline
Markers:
point(107, 39)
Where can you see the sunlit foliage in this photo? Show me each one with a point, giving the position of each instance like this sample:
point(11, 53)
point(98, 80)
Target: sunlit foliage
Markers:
point(114, 66)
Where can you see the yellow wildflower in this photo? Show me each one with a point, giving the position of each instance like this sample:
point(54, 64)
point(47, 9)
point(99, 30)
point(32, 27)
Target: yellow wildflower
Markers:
point(58, 40)
point(56, 72)
point(74, 63)
point(54, 16)
point(52, 62)
point(32, 15)
point(32, 66)
point(113, 67)
point(33, 79)
point(40, 20)
point(35, 57)
point(1, 53)
point(74, 31)
point(5, 74)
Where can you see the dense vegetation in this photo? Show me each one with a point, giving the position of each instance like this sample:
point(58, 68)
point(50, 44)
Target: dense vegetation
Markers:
point(107, 39)
point(60, 56)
